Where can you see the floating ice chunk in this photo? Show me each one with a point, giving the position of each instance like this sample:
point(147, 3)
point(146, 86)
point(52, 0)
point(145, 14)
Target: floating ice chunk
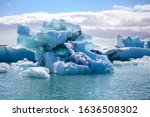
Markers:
point(24, 63)
point(4, 67)
point(130, 42)
point(14, 54)
point(139, 61)
point(36, 72)
point(143, 60)
point(125, 54)
point(134, 53)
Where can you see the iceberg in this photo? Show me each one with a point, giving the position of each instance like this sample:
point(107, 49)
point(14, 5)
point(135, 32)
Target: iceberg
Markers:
point(139, 61)
point(127, 49)
point(130, 42)
point(25, 63)
point(36, 72)
point(126, 53)
point(63, 48)
point(14, 54)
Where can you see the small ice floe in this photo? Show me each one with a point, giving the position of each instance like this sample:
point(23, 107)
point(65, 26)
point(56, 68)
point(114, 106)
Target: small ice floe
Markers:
point(15, 53)
point(139, 61)
point(4, 67)
point(24, 63)
point(36, 72)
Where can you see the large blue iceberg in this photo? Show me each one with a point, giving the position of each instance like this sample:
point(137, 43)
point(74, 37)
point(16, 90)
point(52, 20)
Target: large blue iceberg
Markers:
point(63, 48)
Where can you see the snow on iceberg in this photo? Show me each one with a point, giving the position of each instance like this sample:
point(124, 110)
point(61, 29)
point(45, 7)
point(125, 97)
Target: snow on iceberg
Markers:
point(4, 67)
point(25, 63)
point(60, 47)
point(36, 72)
point(139, 61)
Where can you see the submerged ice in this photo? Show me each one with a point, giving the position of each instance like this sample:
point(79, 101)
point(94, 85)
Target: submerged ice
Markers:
point(61, 47)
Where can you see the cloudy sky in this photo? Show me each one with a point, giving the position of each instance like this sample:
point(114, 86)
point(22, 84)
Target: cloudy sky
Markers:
point(103, 20)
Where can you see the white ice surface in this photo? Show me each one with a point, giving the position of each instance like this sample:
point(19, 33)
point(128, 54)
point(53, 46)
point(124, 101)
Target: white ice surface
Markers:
point(36, 72)
point(4, 67)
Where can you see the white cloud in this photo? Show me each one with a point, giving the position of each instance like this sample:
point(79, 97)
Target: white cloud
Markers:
point(103, 18)
point(103, 24)
point(134, 8)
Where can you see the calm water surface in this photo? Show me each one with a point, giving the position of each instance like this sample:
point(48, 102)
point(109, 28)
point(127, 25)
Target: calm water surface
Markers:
point(129, 81)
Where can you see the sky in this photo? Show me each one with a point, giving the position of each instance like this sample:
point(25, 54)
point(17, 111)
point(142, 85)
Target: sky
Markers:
point(13, 7)
point(103, 19)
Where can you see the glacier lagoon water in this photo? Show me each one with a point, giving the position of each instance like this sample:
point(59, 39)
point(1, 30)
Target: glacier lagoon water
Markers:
point(129, 81)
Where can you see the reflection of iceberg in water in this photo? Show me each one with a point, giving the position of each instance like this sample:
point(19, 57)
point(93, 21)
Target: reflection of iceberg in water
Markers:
point(58, 48)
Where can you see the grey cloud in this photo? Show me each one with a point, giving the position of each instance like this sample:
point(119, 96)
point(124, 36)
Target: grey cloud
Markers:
point(112, 34)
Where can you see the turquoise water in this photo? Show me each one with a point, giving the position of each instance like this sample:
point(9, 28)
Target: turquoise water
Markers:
point(129, 81)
